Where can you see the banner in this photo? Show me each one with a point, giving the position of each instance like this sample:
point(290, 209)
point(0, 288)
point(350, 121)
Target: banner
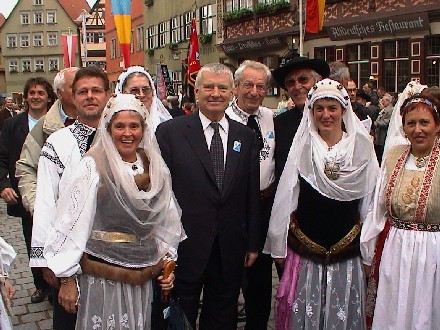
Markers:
point(121, 14)
point(68, 44)
point(193, 54)
point(314, 15)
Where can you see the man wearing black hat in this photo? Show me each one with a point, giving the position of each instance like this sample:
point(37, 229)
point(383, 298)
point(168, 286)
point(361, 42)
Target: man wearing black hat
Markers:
point(297, 76)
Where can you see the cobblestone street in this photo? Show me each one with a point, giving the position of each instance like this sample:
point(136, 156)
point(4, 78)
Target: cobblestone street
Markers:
point(28, 316)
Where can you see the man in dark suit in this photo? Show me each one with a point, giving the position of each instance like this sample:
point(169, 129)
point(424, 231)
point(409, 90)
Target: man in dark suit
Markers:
point(7, 111)
point(215, 172)
point(297, 76)
point(39, 96)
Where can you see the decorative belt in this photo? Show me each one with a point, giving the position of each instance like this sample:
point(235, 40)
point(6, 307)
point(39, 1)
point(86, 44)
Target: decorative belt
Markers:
point(344, 249)
point(269, 191)
point(134, 276)
point(113, 236)
point(417, 226)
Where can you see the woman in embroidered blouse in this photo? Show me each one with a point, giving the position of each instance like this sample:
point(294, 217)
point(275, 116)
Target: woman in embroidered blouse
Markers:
point(324, 194)
point(401, 240)
point(7, 256)
point(115, 222)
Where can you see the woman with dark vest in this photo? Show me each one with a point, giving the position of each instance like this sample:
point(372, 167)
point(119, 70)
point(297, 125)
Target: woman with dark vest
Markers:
point(325, 193)
point(401, 240)
point(115, 222)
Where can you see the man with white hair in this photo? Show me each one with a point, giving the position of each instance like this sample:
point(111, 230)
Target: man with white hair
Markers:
point(381, 124)
point(7, 111)
point(251, 82)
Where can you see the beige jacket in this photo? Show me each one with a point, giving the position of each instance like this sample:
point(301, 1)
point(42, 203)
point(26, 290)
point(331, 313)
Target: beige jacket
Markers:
point(26, 167)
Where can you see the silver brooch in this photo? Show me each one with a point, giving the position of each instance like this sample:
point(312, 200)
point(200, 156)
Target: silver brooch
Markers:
point(331, 170)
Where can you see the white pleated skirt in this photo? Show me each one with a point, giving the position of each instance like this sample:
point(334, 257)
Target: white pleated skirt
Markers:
point(329, 297)
point(113, 305)
point(408, 295)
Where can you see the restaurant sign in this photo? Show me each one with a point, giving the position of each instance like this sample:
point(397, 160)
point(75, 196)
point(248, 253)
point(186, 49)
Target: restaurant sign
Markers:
point(253, 44)
point(387, 26)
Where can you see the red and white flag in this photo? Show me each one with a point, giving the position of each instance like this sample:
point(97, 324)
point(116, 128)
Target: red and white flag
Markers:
point(68, 42)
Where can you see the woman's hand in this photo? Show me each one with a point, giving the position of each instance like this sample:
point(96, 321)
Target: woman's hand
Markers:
point(166, 284)
point(68, 295)
point(9, 289)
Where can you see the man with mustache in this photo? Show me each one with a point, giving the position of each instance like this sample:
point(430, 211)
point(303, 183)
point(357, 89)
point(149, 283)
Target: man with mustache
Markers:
point(60, 154)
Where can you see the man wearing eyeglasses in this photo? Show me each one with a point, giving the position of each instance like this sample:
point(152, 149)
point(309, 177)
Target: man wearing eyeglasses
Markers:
point(297, 76)
point(60, 154)
point(251, 82)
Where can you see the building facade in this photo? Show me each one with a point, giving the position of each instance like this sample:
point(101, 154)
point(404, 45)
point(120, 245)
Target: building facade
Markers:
point(31, 40)
point(2, 62)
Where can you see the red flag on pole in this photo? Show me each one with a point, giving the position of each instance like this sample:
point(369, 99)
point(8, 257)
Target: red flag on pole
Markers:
point(68, 43)
point(314, 15)
point(193, 54)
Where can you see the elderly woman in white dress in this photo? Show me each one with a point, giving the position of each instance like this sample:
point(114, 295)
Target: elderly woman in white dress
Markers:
point(115, 222)
point(401, 240)
point(325, 193)
point(7, 256)
point(137, 81)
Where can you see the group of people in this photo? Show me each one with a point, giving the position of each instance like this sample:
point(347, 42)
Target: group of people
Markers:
point(110, 187)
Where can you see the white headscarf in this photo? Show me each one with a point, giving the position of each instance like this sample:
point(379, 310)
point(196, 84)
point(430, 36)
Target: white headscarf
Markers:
point(354, 154)
point(395, 134)
point(158, 112)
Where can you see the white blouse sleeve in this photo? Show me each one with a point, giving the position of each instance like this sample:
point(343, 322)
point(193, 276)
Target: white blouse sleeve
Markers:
point(7, 256)
point(374, 221)
point(68, 235)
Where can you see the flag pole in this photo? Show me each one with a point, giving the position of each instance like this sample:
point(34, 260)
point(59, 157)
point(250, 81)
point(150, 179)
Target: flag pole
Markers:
point(301, 31)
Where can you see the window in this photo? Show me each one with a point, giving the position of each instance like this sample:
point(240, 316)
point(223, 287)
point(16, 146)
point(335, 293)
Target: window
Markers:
point(12, 40)
point(164, 33)
point(38, 2)
point(325, 53)
point(39, 65)
point(24, 40)
point(53, 64)
point(52, 39)
point(101, 38)
point(38, 18)
point(207, 19)
point(90, 37)
point(358, 56)
point(26, 65)
point(24, 18)
point(139, 38)
point(113, 48)
point(13, 66)
point(432, 61)
point(38, 40)
point(238, 4)
point(132, 42)
point(176, 79)
point(396, 65)
point(187, 18)
point(152, 37)
point(51, 17)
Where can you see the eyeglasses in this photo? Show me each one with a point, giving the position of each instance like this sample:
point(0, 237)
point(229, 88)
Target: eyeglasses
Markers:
point(302, 80)
point(249, 85)
point(351, 90)
point(136, 90)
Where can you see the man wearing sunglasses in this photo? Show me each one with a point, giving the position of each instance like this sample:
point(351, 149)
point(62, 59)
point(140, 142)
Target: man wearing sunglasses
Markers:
point(297, 76)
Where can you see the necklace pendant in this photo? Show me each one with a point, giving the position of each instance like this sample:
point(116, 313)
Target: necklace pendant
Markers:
point(331, 170)
point(421, 162)
point(134, 167)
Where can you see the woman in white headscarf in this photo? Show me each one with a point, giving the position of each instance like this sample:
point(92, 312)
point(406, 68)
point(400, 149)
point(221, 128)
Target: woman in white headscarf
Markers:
point(115, 222)
point(137, 81)
point(324, 194)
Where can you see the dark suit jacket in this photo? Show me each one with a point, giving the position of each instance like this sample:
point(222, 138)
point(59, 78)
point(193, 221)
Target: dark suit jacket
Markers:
point(285, 126)
point(232, 215)
point(13, 134)
point(4, 114)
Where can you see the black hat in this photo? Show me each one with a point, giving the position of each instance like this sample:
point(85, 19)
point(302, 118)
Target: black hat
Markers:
point(361, 93)
point(300, 62)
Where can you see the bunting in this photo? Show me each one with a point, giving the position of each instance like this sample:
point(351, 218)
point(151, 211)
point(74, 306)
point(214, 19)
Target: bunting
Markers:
point(314, 15)
point(121, 14)
point(193, 54)
point(68, 44)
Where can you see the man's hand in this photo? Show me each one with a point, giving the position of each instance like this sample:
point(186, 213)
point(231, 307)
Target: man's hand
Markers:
point(9, 196)
point(50, 278)
point(250, 258)
point(68, 295)
point(9, 289)
point(280, 262)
